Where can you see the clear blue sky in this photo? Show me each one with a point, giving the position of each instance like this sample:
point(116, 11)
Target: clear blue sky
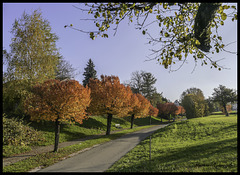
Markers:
point(126, 52)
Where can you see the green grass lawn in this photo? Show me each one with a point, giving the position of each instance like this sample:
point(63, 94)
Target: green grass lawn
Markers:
point(206, 144)
point(92, 126)
point(49, 158)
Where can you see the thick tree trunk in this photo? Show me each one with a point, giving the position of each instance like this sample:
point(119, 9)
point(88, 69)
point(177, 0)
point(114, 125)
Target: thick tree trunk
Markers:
point(202, 27)
point(132, 119)
point(57, 132)
point(109, 120)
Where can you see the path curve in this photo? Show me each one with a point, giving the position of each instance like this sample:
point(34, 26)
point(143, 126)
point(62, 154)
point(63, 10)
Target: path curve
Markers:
point(102, 157)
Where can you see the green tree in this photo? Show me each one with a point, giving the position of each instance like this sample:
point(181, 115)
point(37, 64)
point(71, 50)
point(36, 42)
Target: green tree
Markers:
point(184, 28)
point(196, 91)
point(210, 104)
point(223, 95)
point(143, 82)
point(189, 105)
point(33, 58)
point(194, 103)
point(156, 98)
point(148, 88)
point(90, 72)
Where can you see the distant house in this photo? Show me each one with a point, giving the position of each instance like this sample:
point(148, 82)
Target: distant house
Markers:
point(234, 106)
point(176, 102)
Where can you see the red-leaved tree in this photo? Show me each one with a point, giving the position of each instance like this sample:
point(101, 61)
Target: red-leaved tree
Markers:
point(166, 110)
point(143, 109)
point(58, 101)
point(180, 110)
point(153, 111)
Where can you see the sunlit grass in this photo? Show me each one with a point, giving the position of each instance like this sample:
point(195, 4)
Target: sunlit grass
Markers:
point(49, 158)
point(206, 144)
point(92, 126)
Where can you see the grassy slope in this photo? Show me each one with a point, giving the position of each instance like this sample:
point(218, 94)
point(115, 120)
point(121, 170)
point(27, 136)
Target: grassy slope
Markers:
point(47, 159)
point(206, 144)
point(92, 126)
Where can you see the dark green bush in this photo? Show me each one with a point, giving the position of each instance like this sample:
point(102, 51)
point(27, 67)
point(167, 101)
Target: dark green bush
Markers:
point(15, 132)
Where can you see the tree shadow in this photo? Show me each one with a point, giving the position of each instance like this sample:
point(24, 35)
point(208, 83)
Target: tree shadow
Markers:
point(92, 123)
point(182, 155)
point(47, 126)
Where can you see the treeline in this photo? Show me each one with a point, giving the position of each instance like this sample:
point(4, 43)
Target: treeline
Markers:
point(196, 105)
point(38, 83)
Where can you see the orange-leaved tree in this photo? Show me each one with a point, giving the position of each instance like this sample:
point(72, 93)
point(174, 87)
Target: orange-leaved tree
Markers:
point(180, 110)
point(141, 110)
point(153, 111)
point(109, 97)
point(58, 101)
point(135, 107)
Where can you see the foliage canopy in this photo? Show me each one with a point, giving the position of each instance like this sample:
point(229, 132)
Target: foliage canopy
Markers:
point(184, 28)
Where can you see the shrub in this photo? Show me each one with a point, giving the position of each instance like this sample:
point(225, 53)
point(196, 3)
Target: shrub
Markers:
point(15, 132)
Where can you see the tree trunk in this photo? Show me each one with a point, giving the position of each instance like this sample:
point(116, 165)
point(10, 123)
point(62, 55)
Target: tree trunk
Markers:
point(109, 120)
point(225, 108)
point(57, 132)
point(202, 28)
point(132, 118)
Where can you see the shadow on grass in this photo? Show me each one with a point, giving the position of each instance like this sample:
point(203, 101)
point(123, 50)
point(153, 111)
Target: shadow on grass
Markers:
point(47, 126)
point(92, 123)
point(146, 121)
point(185, 155)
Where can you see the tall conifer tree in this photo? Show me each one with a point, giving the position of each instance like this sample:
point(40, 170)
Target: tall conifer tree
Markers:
point(90, 72)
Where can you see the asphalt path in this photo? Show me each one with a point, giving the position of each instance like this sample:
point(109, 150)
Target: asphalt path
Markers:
point(102, 157)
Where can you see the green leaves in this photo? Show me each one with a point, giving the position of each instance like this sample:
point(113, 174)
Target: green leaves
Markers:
point(223, 16)
point(176, 26)
point(197, 42)
point(166, 34)
point(92, 35)
point(105, 35)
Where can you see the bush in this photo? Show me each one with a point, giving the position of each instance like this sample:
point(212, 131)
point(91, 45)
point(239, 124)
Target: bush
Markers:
point(16, 133)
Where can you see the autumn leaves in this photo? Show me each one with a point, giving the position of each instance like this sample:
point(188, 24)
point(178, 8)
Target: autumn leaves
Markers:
point(110, 97)
point(58, 100)
point(67, 100)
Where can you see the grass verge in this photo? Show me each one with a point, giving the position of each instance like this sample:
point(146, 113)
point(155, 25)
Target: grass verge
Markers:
point(92, 126)
point(207, 144)
point(47, 159)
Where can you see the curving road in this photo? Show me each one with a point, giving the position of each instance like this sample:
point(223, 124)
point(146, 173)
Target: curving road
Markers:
point(102, 157)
